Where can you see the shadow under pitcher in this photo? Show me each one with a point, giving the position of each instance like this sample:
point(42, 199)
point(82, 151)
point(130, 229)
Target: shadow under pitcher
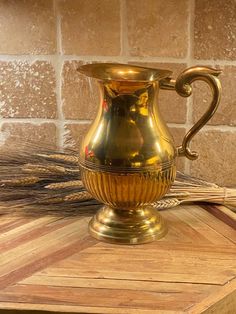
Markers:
point(128, 157)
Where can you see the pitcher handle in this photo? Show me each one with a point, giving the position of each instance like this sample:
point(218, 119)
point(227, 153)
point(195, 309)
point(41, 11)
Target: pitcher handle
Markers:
point(183, 87)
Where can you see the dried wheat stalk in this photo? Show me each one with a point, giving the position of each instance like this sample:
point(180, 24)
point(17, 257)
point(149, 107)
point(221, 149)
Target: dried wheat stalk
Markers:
point(24, 181)
point(61, 157)
point(78, 197)
point(64, 185)
point(167, 203)
point(201, 191)
point(49, 181)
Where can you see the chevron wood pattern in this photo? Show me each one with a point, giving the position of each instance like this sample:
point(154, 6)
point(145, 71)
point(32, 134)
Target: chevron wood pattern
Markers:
point(52, 264)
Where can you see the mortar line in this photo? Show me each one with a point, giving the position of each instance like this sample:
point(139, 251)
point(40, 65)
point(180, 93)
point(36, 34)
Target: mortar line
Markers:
point(176, 125)
point(58, 71)
point(33, 58)
point(39, 121)
point(36, 121)
point(126, 58)
point(223, 128)
point(123, 30)
point(81, 121)
point(189, 117)
point(189, 113)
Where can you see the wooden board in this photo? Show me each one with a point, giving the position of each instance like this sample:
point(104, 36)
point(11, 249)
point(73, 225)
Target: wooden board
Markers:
point(52, 264)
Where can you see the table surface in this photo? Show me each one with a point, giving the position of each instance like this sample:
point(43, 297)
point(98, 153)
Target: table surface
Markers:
point(50, 263)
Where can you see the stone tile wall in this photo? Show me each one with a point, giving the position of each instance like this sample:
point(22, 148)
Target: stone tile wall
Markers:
point(43, 98)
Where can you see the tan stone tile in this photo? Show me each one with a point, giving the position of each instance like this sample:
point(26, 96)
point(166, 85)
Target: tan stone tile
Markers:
point(74, 134)
point(17, 134)
point(27, 90)
point(90, 27)
point(226, 112)
point(157, 28)
point(80, 97)
point(216, 162)
point(172, 106)
point(215, 30)
point(27, 27)
point(178, 135)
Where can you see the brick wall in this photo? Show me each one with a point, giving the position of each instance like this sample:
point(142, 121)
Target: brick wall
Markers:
point(42, 42)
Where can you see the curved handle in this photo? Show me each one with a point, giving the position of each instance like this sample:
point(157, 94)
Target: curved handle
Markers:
point(183, 87)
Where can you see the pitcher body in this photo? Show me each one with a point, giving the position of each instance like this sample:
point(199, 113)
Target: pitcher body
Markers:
point(129, 147)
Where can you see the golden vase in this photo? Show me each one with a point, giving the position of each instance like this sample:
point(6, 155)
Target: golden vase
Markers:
point(128, 157)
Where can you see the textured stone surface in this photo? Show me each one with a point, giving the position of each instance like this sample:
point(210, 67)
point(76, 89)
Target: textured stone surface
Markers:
point(216, 162)
point(27, 27)
point(27, 90)
point(157, 28)
point(90, 27)
point(215, 29)
point(13, 134)
point(172, 106)
point(74, 133)
point(147, 30)
point(226, 112)
point(79, 94)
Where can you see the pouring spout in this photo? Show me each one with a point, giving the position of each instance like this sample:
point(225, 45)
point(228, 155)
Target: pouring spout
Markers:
point(123, 72)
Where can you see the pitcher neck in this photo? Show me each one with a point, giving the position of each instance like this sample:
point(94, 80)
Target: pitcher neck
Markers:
point(128, 97)
point(115, 88)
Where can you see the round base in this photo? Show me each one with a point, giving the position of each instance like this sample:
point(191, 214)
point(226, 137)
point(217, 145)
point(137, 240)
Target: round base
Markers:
point(127, 226)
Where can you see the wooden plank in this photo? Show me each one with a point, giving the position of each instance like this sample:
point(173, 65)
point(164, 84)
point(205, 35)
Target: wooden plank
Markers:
point(41, 252)
point(42, 243)
point(156, 248)
point(214, 223)
point(117, 298)
point(13, 223)
point(26, 235)
point(31, 267)
point(45, 308)
point(221, 301)
point(4, 219)
point(166, 262)
point(30, 225)
point(224, 214)
point(185, 232)
point(195, 224)
point(185, 277)
point(142, 285)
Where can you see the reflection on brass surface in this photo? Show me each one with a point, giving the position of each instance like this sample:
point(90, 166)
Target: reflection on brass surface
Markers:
point(128, 157)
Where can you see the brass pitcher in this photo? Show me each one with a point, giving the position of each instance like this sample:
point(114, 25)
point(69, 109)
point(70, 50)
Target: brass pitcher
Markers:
point(128, 157)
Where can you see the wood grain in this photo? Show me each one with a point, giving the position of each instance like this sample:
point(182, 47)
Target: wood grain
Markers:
point(52, 264)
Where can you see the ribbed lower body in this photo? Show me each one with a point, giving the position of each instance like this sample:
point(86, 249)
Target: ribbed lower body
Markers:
point(127, 218)
point(128, 190)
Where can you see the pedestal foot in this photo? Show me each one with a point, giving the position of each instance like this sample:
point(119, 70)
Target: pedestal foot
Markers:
point(127, 226)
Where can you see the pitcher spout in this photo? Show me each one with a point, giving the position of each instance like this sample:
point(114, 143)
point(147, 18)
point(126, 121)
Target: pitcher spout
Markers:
point(123, 72)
